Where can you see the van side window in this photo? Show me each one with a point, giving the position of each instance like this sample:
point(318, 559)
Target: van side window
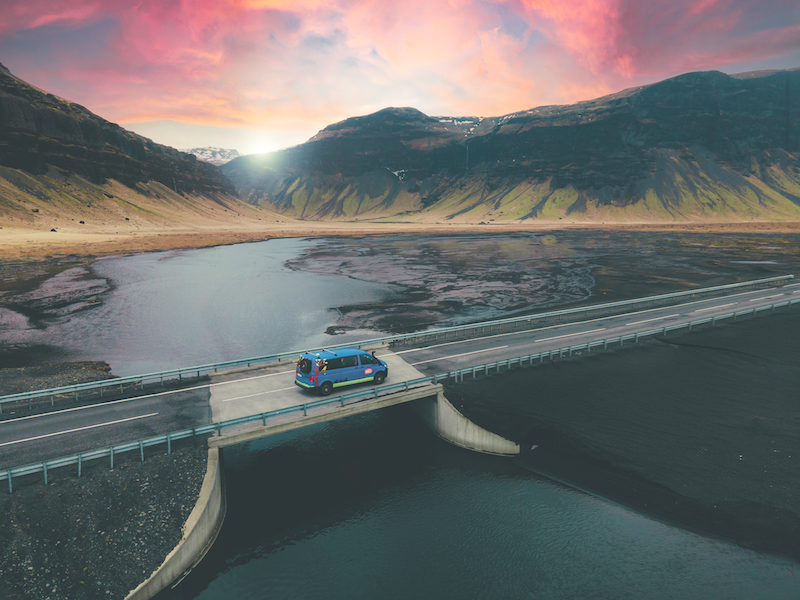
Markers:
point(366, 359)
point(349, 361)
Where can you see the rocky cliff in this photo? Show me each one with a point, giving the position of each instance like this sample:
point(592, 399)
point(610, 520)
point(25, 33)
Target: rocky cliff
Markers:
point(698, 146)
point(39, 131)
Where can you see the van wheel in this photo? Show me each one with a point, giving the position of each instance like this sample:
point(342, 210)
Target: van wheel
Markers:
point(379, 377)
point(326, 388)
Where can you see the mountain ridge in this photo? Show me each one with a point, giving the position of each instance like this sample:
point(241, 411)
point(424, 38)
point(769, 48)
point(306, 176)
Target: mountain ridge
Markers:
point(61, 166)
point(702, 145)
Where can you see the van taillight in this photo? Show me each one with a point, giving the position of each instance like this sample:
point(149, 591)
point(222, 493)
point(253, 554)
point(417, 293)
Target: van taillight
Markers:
point(312, 379)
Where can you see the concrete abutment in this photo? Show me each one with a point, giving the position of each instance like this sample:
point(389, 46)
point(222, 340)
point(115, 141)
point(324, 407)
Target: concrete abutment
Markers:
point(199, 533)
point(449, 424)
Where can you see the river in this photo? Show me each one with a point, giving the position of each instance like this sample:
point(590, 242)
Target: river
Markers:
point(376, 506)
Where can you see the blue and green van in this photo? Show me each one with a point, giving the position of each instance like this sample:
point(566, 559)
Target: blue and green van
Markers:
point(327, 369)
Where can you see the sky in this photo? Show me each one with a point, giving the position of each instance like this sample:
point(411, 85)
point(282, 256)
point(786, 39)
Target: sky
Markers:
point(260, 75)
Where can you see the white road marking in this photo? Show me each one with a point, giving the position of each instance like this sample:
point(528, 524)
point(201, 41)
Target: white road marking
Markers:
point(606, 318)
point(47, 435)
point(765, 297)
point(558, 337)
point(259, 394)
point(457, 355)
point(653, 319)
point(65, 410)
point(714, 307)
point(165, 393)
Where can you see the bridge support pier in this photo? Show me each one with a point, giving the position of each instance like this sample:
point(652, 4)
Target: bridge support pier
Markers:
point(450, 425)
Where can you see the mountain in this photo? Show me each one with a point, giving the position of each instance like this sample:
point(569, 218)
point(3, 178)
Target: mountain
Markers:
point(214, 156)
point(60, 164)
point(700, 146)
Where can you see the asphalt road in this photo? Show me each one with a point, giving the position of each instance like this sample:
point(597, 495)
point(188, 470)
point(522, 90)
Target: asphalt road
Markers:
point(30, 439)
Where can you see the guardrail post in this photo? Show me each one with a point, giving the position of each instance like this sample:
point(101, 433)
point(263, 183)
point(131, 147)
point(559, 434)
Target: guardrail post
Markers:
point(305, 410)
point(169, 444)
point(665, 332)
point(44, 470)
point(80, 457)
point(141, 449)
point(10, 489)
point(111, 457)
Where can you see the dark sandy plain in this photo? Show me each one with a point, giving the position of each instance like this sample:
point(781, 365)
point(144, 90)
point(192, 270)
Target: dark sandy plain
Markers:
point(698, 430)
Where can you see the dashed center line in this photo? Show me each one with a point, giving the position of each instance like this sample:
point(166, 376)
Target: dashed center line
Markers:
point(457, 355)
point(765, 298)
point(558, 337)
point(47, 435)
point(716, 307)
point(655, 319)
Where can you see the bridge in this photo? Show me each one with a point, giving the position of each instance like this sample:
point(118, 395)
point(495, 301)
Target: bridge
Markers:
point(243, 400)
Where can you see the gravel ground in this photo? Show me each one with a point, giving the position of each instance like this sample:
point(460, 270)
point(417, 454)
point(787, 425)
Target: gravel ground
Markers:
point(101, 535)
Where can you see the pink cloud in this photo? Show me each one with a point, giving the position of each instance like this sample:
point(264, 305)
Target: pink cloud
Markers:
point(265, 63)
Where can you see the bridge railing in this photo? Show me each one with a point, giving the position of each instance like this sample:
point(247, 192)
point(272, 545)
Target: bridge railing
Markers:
point(362, 395)
point(139, 445)
point(138, 382)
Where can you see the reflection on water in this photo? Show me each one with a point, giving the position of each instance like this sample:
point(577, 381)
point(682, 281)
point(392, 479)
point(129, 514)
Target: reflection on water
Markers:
point(452, 279)
point(184, 308)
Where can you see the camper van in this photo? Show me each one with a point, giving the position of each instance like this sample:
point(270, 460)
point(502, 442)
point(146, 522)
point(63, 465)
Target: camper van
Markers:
point(327, 369)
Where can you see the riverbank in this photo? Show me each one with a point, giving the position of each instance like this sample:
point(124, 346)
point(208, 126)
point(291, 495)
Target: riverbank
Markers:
point(19, 244)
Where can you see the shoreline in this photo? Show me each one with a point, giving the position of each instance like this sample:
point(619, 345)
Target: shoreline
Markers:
point(26, 245)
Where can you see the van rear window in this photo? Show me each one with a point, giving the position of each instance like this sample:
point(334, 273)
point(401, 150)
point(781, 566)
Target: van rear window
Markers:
point(338, 363)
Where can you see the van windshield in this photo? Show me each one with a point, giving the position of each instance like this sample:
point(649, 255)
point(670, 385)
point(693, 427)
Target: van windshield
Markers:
point(367, 359)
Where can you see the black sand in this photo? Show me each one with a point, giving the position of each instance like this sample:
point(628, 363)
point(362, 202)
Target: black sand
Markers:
point(699, 430)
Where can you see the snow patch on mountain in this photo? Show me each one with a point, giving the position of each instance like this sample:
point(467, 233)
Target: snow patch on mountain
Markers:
point(215, 156)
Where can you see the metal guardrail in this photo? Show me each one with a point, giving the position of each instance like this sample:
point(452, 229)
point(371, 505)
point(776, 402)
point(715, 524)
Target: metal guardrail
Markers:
point(360, 396)
point(140, 445)
point(196, 371)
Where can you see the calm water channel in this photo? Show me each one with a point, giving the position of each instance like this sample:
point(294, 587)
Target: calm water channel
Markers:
point(376, 506)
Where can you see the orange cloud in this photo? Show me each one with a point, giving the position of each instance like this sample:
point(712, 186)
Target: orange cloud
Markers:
point(265, 63)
